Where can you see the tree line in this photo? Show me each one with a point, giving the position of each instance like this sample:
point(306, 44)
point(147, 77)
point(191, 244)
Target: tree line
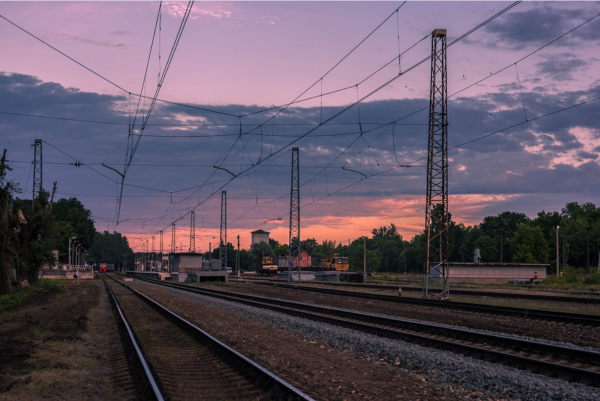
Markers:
point(509, 237)
point(31, 230)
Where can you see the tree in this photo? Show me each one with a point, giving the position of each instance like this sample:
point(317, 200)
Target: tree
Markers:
point(308, 245)
point(325, 250)
point(356, 256)
point(281, 249)
point(72, 212)
point(258, 251)
point(386, 232)
point(112, 248)
point(528, 245)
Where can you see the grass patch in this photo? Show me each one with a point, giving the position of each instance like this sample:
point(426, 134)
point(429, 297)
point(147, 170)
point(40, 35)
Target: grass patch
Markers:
point(30, 295)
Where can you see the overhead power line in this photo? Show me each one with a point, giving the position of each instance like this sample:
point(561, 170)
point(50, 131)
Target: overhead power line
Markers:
point(65, 55)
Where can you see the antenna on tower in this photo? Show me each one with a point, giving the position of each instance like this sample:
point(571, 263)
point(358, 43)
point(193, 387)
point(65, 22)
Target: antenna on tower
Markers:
point(436, 269)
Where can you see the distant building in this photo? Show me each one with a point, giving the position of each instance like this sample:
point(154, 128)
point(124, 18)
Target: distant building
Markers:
point(181, 262)
point(305, 260)
point(259, 236)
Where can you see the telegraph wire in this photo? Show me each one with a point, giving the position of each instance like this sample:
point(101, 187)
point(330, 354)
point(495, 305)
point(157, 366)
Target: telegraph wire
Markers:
point(280, 150)
point(463, 36)
point(218, 125)
point(153, 102)
point(408, 164)
point(69, 57)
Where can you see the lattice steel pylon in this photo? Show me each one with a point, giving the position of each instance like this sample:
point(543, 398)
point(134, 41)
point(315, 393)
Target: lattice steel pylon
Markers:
point(192, 231)
point(37, 172)
point(173, 238)
point(223, 237)
point(161, 250)
point(436, 269)
point(294, 240)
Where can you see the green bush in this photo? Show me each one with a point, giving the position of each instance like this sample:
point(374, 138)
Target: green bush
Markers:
point(571, 276)
point(594, 278)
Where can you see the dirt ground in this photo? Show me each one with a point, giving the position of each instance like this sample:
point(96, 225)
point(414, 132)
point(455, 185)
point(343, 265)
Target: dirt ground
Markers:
point(54, 347)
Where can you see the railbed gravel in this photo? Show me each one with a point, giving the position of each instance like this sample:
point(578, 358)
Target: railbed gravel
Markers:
point(443, 366)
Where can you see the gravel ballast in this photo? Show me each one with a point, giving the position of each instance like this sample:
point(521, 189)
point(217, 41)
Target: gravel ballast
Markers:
point(443, 366)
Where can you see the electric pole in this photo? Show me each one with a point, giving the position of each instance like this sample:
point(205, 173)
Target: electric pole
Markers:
point(192, 232)
point(37, 172)
point(294, 240)
point(436, 269)
point(223, 237)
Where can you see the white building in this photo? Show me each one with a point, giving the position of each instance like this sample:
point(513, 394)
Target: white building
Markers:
point(259, 236)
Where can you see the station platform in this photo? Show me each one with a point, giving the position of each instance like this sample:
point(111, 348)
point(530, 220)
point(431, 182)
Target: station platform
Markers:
point(200, 276)
point(155, 275)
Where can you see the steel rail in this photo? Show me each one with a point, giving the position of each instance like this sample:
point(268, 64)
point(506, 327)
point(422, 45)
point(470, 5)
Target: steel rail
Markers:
point(432, 335)
point(148, 383)
point(268, 380)
point(485, 293)
point(561, 317)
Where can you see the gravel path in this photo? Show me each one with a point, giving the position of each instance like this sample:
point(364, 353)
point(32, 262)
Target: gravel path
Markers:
point(481, 377)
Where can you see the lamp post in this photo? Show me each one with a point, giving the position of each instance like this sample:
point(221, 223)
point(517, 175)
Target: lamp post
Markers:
point(77, 260)
point(70, 251)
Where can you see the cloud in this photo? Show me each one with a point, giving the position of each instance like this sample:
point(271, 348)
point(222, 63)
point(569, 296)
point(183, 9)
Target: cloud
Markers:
point(268, 19)
point(516, 30)
point(177, 9)
point(553, 155)
point(561, 67)
point(93, 42)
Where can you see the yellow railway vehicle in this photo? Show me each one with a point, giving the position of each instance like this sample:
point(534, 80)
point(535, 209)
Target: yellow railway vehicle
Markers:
point(268, 266)
point(340, 263)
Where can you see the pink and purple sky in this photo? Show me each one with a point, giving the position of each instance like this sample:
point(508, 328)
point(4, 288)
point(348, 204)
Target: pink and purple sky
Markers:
point(237, 61)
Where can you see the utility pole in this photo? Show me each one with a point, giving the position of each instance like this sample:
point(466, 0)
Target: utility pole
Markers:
point(501, 243)
point(193, 232)
point(237, 257)
point(161, 250)
point(223, 237)
point(557, 255)
point(436, 268)
point(37, 172)
point(294, 239)
point(173, 238)
point(364, 259)
point(172, 255)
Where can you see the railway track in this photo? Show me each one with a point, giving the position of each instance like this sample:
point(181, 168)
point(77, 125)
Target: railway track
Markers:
point(572, 364)
point(176, 360)
point(482, 293)
point(559, 317)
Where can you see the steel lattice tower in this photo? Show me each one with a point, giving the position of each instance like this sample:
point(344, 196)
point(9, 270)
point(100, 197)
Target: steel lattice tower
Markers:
point(161, 250)
point(173, 238)
point(193, 231)
point(223, 240)
point(436, 267)
point(37, 171)
point(294, 249)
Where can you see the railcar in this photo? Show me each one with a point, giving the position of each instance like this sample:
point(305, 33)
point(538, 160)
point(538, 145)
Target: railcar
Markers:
point(268, 266)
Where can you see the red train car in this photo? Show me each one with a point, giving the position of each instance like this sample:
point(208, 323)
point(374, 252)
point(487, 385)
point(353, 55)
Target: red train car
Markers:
point(102, 268)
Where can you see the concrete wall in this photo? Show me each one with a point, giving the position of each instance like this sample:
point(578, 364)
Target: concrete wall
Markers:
point(495, 272)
